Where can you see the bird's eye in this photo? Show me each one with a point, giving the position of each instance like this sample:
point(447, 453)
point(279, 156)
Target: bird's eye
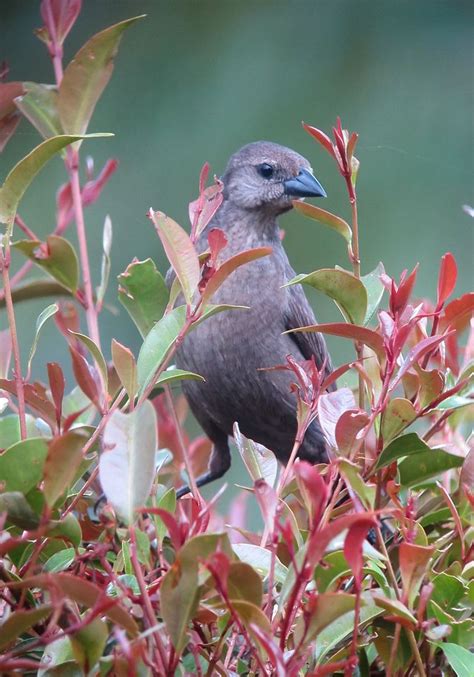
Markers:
point(265, 170)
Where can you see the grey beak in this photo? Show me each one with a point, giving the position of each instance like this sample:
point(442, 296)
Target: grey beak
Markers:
point(304, 185)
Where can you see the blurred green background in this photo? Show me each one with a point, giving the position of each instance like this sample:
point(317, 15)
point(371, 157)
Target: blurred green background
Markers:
point(196, 80)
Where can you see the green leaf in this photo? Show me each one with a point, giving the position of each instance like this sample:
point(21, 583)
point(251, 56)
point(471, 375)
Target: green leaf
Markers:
point(421, 467)
point(157, 344)
point(40, 106)
point(63, 459)
point(89, 641)
point(402, 446)
point(127, 467)
point(363, 489)
point(42, 317)
point(67, 528)
point(173, 374)
point(10, 429)
point(244, 583)
point(249, 613)
point(19, 622)
point(459, 659)
point(126, 367)
point(21, 465)
point(347, 291)
point(56, 256)
point(60, 561)
point(144, 294)
point(260, 559)
point(25, 171)
point(96, 354)
point(180, 252)
point(86, 77)
point(326, 218)
point(397, 416)
point(375, 289)
point(329, 607)
point(18, 510)
point(165, 500)
point(58, 660)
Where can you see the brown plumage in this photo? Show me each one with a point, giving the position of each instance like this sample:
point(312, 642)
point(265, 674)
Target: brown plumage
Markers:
point(228, 350)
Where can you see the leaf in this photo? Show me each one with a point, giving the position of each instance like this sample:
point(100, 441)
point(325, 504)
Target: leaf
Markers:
point(173, 374)
point(459, 658)
point(96, 354)
point(86, 77)
point(18, 510)
point(180, 252)
point(143, 292)
point(244, 583)
point(105, 265)
point(348, 427)
point(39, 105)
point(42, 317)
point(260, 462)
point(329, 607)
point(9, 116)
point(356, 333)
point(84, 378)
point(363, 490)
point(157, 345)
point(85, 593)
point(402, 446)
point(60, 561)
point(448, 272)
point(228, 267)
point(60, 18)
point(126, 367)
point(347, 291)
point(19, 622)
point(56, 256)
point(353, 547)
point(326, 218)
point(26, 169)
point(331, 406)
point(394, 606)
point(21, 465)
point(414, 560)
point(35, 397)
point(397, 416)
point(260, 559)
point(63, 459)
point(321, 138)
point(421, 467)
point(89, 641)
point(249, 613)
point(416, 353)
point(375, 289)
point(127, 467)
point(458, 312)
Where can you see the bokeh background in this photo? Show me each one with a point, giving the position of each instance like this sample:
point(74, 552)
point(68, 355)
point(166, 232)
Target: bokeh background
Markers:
point(196, 80)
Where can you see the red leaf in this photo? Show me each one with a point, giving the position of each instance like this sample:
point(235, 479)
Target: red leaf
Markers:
point(353, 546)
point(59, 17)
point(416, 354)
point(217, 241)
point(400, 297)
point(315, 488)
point(56, 384)
point(321, 138)
point(84, 378)
point(320, 539)
point(458, 313)
point(348, 427)
point(170, 523)
point(352, 331)
point(448, 272)
point(228, 267)
point(35, 397)
point(267, 502)
point(272, 650)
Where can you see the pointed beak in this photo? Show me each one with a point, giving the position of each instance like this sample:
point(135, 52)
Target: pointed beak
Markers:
point(304, 185)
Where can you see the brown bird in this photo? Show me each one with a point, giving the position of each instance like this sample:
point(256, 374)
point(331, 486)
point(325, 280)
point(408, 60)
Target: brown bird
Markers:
point(231, 348)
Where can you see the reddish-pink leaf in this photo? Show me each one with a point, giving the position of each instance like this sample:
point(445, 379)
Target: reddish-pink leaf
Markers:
point(352, 331)
point(171, 524)
point(321, 138)
point(272, 650)
point(416, 354)
point(57, 385)
point(455, 515)
point(228, 267)
point(400, 297)
point(320, 539)
point(348, 427)
point(353, 546)
point(8, 125)
point(203, 176)
point(8, 92)
point(35, 397)
point(337, 373)
point(331, 406)
point(448, 272)
point(84, 378)
point(414, 561)
point(217, 241)
point(351, 144)
point(63, 459)
point(267, 502)
point(59, 17)
point(458, 313)
point(314, 487)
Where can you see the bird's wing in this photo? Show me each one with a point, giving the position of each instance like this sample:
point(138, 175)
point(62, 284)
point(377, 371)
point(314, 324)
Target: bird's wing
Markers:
point(298, 313)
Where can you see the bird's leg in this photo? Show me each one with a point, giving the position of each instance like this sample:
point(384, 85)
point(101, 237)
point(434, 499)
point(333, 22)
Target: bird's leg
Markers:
point(219, 464)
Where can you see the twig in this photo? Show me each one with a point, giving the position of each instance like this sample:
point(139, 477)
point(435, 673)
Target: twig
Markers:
point(183, 448)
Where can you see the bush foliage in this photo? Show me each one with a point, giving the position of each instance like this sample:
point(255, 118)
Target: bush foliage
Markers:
point(363, 566)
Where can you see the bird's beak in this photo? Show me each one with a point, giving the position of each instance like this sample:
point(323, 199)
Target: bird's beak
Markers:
point(304, 185)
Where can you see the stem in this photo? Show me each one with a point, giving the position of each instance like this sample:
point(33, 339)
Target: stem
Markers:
point(356, 268)
point(20, 389)
point(416, 652)
point(184, 450)
point(91, 311)
point(393, 651)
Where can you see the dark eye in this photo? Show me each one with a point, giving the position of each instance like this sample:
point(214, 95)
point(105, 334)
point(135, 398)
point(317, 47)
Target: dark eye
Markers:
point(265, 170)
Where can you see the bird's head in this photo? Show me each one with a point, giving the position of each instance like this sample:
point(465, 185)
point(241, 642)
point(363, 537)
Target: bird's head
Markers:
point(267, 176)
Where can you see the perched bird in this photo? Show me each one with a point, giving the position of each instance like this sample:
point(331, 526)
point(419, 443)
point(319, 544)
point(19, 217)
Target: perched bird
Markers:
point(230, 348)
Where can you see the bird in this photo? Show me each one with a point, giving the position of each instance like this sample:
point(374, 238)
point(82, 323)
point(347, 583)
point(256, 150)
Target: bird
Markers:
point(230, 349)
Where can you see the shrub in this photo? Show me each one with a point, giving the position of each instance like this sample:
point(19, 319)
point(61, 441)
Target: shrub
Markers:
point(364, 563)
